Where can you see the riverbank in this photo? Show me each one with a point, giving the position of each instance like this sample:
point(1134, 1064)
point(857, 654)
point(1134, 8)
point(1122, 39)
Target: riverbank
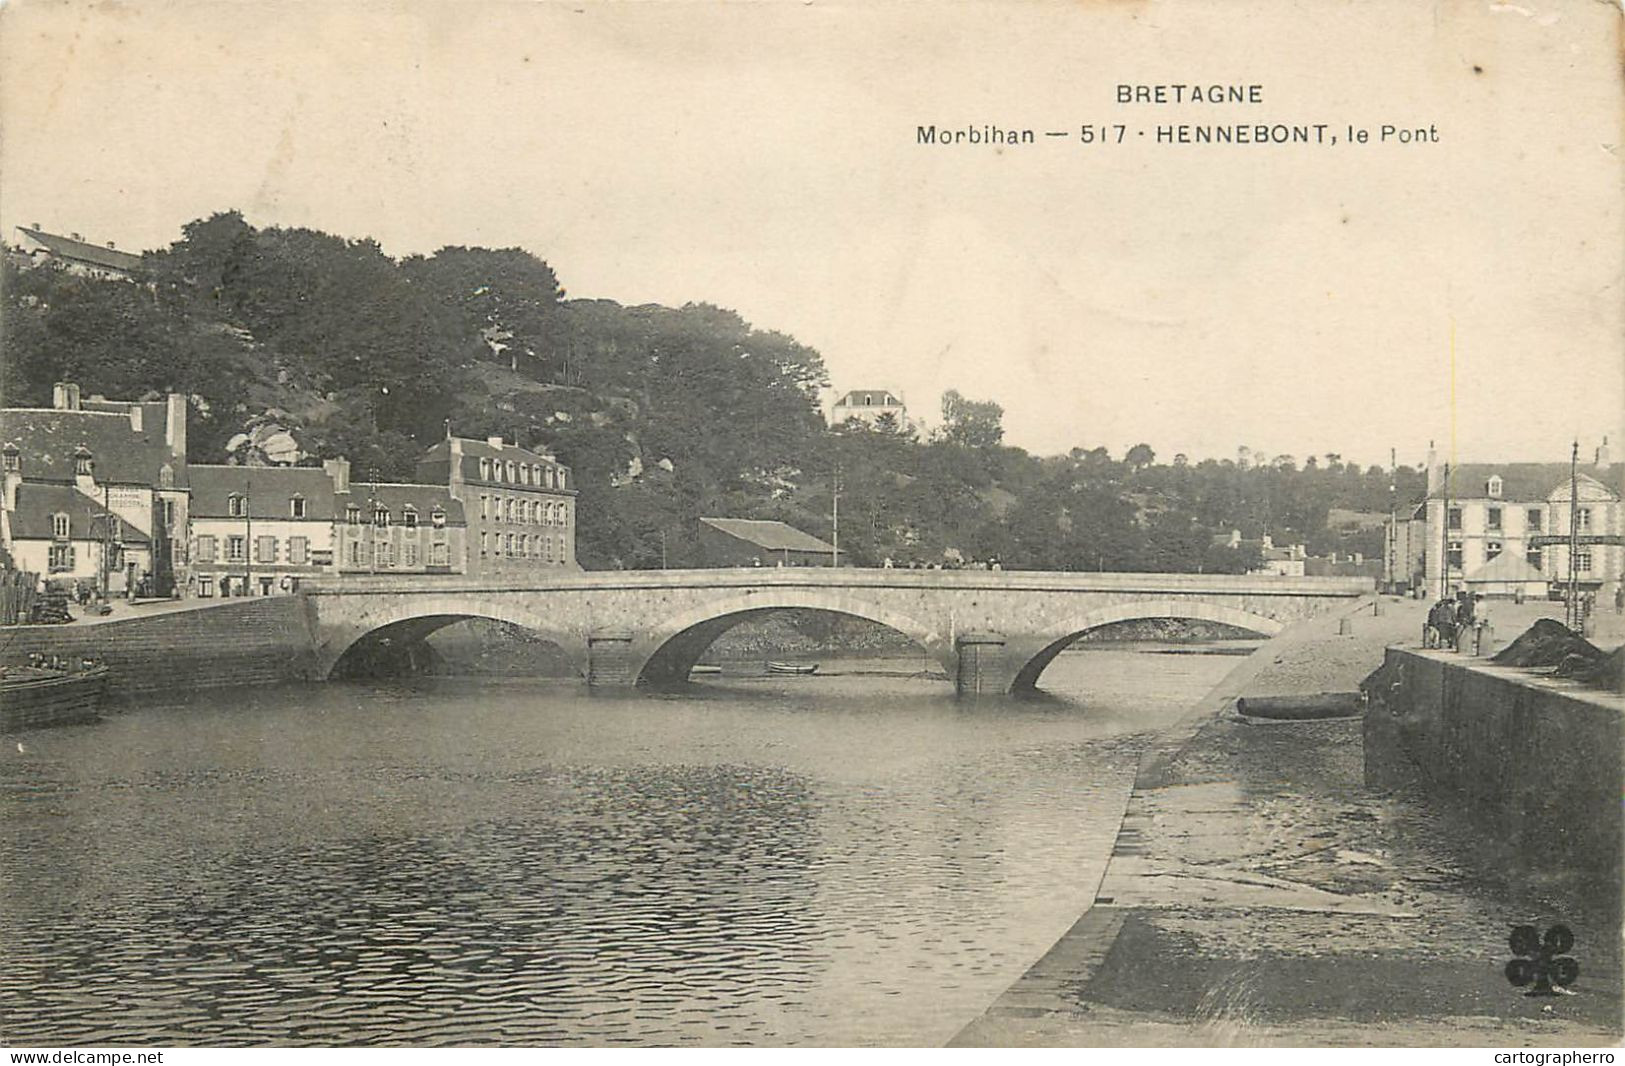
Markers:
point(1259, 894)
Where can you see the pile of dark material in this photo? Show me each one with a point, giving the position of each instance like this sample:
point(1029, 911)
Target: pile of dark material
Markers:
point(52, 608)
point(1549, 643)
point(1546, 643)
point(1607, 672)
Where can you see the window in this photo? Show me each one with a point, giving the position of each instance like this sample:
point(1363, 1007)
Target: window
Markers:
point(524, 473)
point(409, 554)
point(547, 549)
point(82, 462)
point(1583, 519)
point(236, 549)
point(513, 473)
point(298, 550)
point(205, 549)
point(166, 508)
point(437, 517)
point(507, 544)
point(1452, 557)
point(61, 557)
point(1492, 548)
point(524, 545)
point(265, 549)
point(1532, 557)
point(355, 553)
point(205, 587)
point(485, 469)
point(409, 517)
point(507, 509)
point(440, 554)
point(484, 549)
point(296, 507)
point(1582, 560)
point(1534, 519)
point(380, 515)
point(1493, 518)
point(352, 514)
point(485, 508)
point(547, 514)
point(59, 526)
point(386, 553)
point(1453, 520)
point(1493, 486)
point(13, 458)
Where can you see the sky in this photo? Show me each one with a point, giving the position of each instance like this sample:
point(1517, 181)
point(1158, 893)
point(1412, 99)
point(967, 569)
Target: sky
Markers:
point(1293, 299)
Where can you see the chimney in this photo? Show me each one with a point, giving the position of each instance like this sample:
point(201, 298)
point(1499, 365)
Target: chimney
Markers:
point(65, 396)
point(339, 470)
point(135, 418)
point(77, 236)
point(454, 467)
point(110, 244)
point(1603, 461)
point(175, 424)
point(1435, 475)
point(495, 442)
point(13, 474)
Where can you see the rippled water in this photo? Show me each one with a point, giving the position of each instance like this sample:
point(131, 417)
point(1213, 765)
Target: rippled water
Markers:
point(831, 860)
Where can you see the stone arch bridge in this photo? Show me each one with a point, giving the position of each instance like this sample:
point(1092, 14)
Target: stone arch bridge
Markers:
point(993, 632)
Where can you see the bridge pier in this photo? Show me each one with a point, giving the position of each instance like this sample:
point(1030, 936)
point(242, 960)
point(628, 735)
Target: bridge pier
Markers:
point(984, 667)
point(609, 660)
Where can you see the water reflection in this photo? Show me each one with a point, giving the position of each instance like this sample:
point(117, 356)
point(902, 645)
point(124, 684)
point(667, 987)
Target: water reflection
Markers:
point(849, 859)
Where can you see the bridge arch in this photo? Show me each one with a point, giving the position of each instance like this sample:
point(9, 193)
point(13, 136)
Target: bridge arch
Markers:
point(1053, 640)
point(668, 650)
point(413, 618)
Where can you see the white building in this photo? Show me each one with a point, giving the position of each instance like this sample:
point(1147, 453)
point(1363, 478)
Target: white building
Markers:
point(869, 406)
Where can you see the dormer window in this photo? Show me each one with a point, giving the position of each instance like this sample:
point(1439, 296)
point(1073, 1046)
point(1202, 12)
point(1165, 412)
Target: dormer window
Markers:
point(1494, 486)
point(513, 471)
point(12, 458)
point(437, 517)
point(352, 515)
point(59, 527)
point(409, 517)
point(485, 469)
point(296, 507)
point(82, 462)
point(237, 505)
point(380, 515)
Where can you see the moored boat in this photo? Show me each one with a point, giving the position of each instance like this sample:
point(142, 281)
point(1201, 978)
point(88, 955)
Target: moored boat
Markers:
point(700, 669)
point(791, 668)
point(32, 696)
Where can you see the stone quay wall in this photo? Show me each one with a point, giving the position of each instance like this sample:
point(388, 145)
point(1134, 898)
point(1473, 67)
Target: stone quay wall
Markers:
point(1536, 760)
point(243, 642)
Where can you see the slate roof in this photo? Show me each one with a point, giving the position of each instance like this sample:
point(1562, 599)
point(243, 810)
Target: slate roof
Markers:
point(1526, 482)
point(37, 503)
point(84, 252)
point(48, 439)
point(268, 488)
point(442, 449)
point(772, 536)
point(425, 498)
point(869, 398)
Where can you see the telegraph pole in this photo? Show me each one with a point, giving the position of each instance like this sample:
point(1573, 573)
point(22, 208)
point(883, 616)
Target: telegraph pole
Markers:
point(835, 516)
point(1393, 518)
point(1572, 615)
point(248, 534)
point(1444, 544)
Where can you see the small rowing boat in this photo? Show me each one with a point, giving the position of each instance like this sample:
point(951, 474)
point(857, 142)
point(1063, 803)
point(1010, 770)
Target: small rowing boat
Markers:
point(791, 668)
point(704, 669)
point(33, 696)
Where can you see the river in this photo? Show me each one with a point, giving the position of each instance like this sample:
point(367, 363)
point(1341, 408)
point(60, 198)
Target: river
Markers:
point(850, 859)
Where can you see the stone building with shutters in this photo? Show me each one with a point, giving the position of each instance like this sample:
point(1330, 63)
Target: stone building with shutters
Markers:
point(519, 504)
point(95, 490)
point(261, 531)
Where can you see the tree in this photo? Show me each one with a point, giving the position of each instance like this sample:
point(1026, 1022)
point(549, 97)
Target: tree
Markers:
point(971, 423)
point(1140, 456)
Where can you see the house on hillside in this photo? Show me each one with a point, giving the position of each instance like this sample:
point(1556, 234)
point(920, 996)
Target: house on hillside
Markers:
point(750, 542)
point(869, 405)
point(77, 255)
point(1280, 562)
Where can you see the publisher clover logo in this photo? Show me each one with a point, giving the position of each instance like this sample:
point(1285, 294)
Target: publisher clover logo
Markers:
point(1542, 960)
